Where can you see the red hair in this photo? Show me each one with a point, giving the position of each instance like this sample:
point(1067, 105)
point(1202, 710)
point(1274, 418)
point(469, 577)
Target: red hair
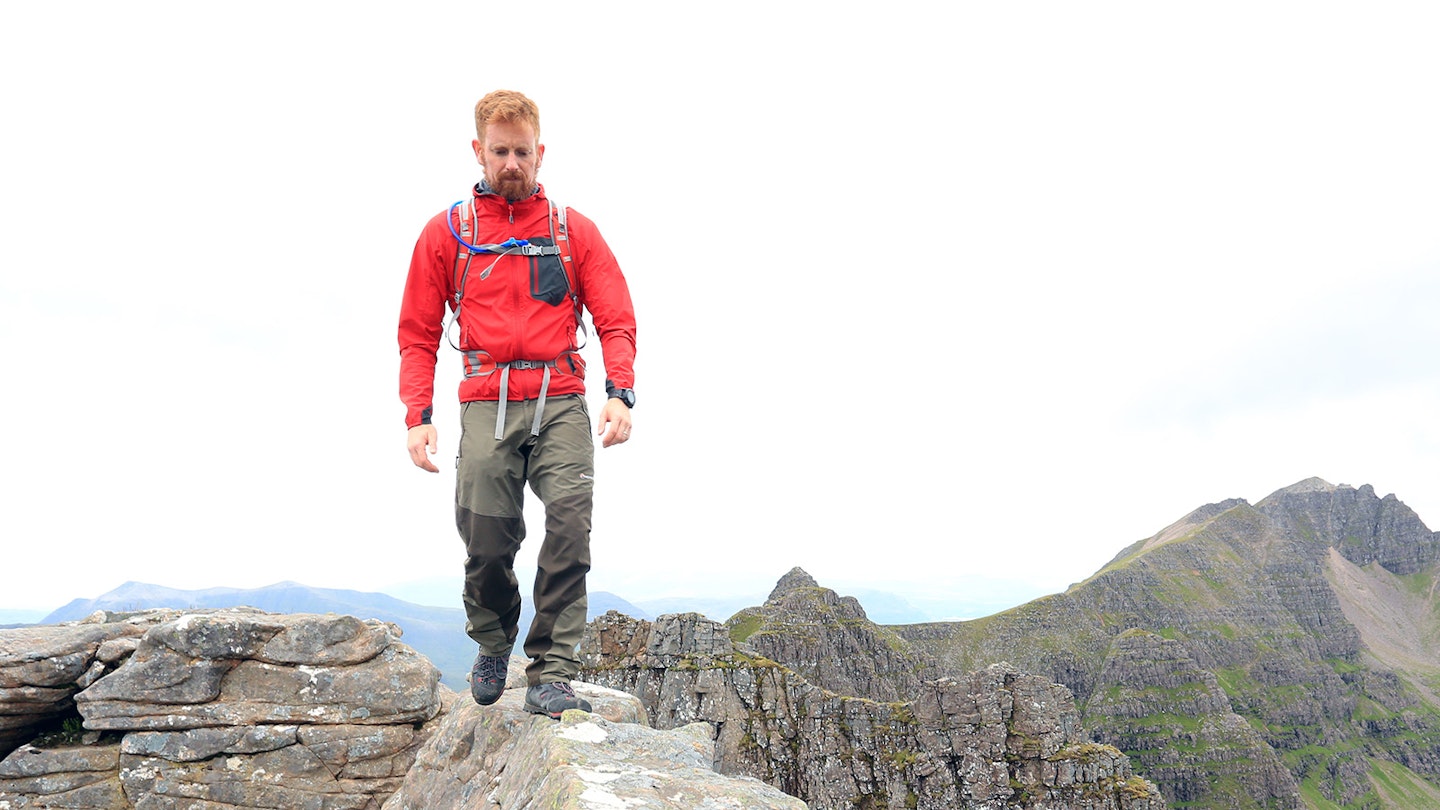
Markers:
point(505, 105)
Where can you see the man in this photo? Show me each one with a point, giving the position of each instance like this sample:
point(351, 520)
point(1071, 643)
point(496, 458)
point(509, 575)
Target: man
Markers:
point(516, 270)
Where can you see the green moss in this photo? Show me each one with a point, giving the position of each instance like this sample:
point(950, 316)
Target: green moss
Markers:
point(903, 713)
point(903, 759)
point(1086, 752)
point(745, 627)
point(1135, 788)
point(1236, 681)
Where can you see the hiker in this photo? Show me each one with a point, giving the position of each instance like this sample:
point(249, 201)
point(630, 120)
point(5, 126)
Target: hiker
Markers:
point(516, 269)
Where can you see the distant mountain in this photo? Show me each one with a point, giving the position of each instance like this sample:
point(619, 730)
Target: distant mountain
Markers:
point(445, 592)
point(436, 632)
point(1284, 654)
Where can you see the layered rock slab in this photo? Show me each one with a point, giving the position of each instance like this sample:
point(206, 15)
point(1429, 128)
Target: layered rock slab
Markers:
point(233, 709)
point(41, 669)
point(241, 668)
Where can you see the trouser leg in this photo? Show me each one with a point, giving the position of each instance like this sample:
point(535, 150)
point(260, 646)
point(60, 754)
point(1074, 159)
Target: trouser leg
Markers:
point(492, 594)
point(489, 493)
point(562, 474)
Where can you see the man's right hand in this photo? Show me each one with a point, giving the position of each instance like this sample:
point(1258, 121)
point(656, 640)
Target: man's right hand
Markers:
point(421, 443)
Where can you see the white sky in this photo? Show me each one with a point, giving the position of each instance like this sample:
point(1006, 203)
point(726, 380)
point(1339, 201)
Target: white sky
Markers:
point(924, 295)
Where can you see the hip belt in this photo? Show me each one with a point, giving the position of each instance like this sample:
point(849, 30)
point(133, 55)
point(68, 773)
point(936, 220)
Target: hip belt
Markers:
point(481, 364)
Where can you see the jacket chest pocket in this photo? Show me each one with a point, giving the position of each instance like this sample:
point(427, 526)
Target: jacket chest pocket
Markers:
point(547, 275)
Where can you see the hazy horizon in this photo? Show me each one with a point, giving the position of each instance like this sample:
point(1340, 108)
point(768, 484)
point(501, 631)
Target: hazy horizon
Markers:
point(443, 591)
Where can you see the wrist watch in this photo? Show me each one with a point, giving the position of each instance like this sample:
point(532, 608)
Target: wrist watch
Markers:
point(625, 395)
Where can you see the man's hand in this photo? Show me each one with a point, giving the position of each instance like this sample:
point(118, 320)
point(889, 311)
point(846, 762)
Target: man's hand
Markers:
point(421, 443)
point(614, 423)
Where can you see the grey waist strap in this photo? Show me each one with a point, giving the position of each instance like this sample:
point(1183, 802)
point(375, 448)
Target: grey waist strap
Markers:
point(505, 393)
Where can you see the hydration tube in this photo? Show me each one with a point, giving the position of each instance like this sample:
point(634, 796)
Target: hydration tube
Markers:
point(504, 247)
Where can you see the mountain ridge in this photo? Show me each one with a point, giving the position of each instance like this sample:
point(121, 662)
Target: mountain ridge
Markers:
point(1268, 599)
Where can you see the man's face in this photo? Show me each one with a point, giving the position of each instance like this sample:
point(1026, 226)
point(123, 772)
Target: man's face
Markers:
point(511, 158)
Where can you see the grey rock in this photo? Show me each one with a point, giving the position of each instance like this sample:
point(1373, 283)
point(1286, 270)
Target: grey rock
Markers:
point(828, 640)
point(63, 777)
point(996, 738)
point(501, 756)
point(41, 669)
point(203, 743)
point(223, 709)
point(796, 578)
point(242, 668)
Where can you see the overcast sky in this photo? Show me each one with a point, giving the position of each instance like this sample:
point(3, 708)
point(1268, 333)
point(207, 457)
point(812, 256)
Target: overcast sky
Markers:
point(937, 301)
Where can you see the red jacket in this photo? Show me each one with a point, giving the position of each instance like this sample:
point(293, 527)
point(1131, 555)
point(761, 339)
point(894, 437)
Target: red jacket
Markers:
point(518, 311)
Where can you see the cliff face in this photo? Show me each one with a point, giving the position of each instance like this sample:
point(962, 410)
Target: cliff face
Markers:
point(995, 738)
point(1312, 610)
point(1170, 714)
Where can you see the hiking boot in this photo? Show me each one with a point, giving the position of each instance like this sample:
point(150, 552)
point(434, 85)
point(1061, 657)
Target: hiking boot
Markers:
point(552, 699)
point(487, 678)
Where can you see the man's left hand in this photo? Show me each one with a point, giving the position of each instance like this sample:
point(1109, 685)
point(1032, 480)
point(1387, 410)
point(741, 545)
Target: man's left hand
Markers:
point(614, 423)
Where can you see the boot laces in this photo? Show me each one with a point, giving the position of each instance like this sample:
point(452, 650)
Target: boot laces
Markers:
point(488, 668)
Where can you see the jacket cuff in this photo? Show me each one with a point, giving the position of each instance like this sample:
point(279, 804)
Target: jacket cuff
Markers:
point(414, 419)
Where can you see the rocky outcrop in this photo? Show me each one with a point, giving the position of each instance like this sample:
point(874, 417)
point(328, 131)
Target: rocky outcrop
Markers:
point(224, 709)
point(995, 738)
point(237, 708)
point(828, 640)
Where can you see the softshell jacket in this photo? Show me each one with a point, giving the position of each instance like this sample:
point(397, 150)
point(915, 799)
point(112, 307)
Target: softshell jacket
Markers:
point(520, 310)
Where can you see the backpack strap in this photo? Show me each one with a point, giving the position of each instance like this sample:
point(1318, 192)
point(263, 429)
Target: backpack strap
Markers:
point(560, 235)
point(461, 270)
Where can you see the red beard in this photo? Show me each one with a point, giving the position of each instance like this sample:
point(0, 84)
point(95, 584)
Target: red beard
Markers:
point(513, 185)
